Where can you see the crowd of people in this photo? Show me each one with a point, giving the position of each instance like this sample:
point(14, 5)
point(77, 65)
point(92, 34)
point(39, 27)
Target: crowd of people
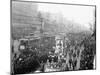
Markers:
point(76, 56)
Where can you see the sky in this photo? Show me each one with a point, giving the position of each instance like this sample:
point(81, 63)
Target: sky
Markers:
point(79, 14)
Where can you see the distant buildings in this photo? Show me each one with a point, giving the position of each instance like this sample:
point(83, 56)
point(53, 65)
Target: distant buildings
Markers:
point(24, 18)
point(24, 12)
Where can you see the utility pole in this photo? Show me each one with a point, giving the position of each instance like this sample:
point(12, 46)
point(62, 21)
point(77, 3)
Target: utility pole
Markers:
point(42, 26)
point(42, 23)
